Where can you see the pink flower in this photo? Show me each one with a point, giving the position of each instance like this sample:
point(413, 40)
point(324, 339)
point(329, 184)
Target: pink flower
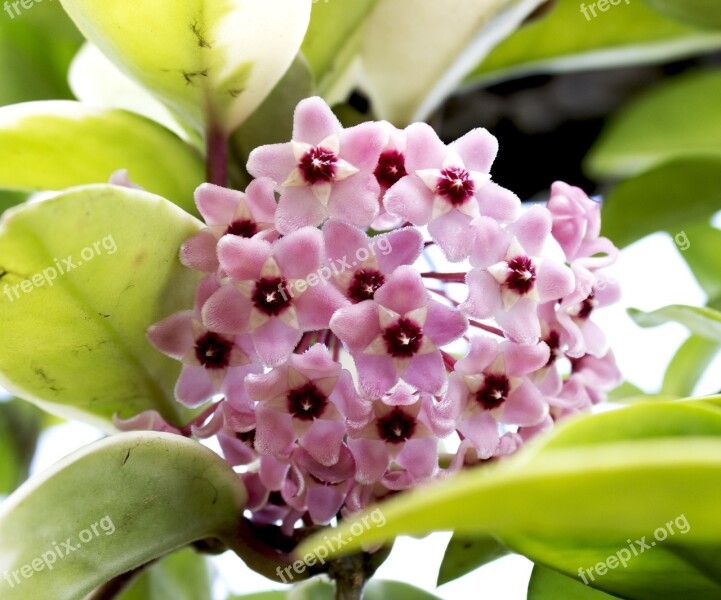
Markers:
point(577, 227)
point(213, 360)
point(510, 276)
point(235, 430)
point(148, 420)
point(490, 387)
point(303, 401)
point(448, 186)
point(398, 334)
point(276, 292)
point(391, 168)
point(325, 171)
point(401, 430)
point(229, 212)
point(361, 263)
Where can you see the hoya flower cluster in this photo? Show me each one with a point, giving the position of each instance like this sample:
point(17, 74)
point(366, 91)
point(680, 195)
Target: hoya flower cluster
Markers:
point(336, 362)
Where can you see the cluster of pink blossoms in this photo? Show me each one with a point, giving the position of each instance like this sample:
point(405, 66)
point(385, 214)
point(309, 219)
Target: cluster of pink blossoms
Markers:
point(330, 358)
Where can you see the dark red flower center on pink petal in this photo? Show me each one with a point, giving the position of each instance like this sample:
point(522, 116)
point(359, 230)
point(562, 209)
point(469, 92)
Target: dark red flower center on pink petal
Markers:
point(396, 427)
point(213, 351)
point(318, 165)
point(456, 185)
point(244, 228)
point(494, 391)
point(553, 339)
point(271, 296)
point(521, 275)
point(364, 284)
point(307, 402)
point(247, 437)
point(587, 307)
point(403, 339)
point(391, 168)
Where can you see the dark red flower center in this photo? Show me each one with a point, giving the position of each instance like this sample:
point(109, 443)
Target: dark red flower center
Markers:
point(391, 168)
point(403, 339)
point(244, 228)
point(271, 295)
point(318, 165)
point(364, 284)
point(396, 427)
point(587, 307)
point(494, 391)
point(455, 185)
point(553, 339)
point(213, 351)
point(521, 275)
point(307, 402)
point(247, 437)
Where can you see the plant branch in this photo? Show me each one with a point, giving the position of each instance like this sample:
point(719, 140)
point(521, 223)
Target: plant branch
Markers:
point(217, 156)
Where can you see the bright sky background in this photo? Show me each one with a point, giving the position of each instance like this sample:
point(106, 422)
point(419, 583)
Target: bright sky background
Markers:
point(652, 274)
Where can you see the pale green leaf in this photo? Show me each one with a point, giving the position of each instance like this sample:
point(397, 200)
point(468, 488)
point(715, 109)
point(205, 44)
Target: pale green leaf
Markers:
point(413, 57)
point(466, 554)
point(703, 256)
point(78, 347)
point(668, 198)
point(547, 584)
point(703, 321)
point(688, 365)
point(96, 81)
point(574, 498)
point(701, 13)
point(59, 144)
point(184, 575)
point(625, 391)
point(211, 61)
point(564, 40)
point(676, 119)
point(20, 425)
point(120, 503)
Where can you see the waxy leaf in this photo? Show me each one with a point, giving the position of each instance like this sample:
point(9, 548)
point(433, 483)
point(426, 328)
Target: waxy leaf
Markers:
point(59, 144)
point(109, 508)
point(676, 119)
point(86, 273)
point(413, 57)
point(701, 13)
point(704, 322)
point(547, 584)
point(211, 61)
point(566, 40)
point(688, 365)
point(598, 486)
point(466, 554)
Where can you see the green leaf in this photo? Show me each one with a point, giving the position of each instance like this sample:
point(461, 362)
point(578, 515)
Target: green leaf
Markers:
point(11, 198)
point(413, 59)
point(272, 123)
point(703, 257)
point(573, 500)
point(668, 198)
point(20, 425)
point(211, 61)
point(625, 391)
point(96, 81)
point(184, 575)
point(547, 584)
point(625, 35)
point(701, 13)
point(676, 119)
point(378, 589)
point(35, 50)
point(121, 502)
point(332, 39)
point(78, 348)
point(77, 145)
point(688, 365)
point(702, 321)
point(465, 554)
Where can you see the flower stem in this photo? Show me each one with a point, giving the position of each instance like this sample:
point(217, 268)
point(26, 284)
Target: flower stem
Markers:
point(217, 156)
point(447, 277)
point(488, 328)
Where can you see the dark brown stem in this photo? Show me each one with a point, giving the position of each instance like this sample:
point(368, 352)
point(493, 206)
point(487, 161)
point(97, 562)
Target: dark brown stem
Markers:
point(352, 572)
point(447, 277)
point(487, 328)
point(217, 156)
